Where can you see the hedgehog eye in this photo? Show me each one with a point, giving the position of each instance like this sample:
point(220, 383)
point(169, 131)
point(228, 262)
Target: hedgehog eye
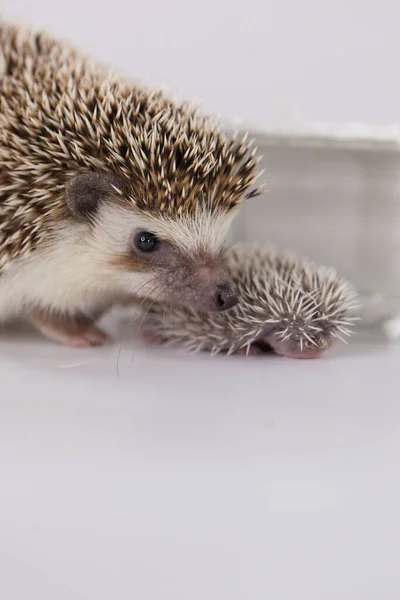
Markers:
point(145, 241)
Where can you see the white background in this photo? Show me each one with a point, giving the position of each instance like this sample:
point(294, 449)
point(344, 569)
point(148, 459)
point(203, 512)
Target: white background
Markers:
point(128, 473)
point(131, 474)
point(268, 61)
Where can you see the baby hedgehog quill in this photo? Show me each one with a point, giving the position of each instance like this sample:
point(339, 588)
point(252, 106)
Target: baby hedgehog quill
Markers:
point(108, 192)
point(285, 304)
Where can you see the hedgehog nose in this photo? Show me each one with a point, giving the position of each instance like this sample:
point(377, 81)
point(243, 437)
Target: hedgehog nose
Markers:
point(225, 296)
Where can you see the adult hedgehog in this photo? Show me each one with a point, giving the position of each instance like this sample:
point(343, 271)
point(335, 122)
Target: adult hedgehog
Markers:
point(107, 190)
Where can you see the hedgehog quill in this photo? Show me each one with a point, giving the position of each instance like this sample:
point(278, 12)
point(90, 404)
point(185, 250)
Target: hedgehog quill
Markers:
point(286, 304)
point(108, 190)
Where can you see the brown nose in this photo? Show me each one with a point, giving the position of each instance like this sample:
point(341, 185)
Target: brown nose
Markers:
point(225, 296)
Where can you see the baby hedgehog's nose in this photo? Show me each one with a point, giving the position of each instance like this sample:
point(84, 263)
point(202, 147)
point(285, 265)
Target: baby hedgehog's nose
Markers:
point(225, 296)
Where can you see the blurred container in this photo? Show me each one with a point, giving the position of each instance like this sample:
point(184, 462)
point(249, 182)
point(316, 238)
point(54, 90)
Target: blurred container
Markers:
point(337, 203)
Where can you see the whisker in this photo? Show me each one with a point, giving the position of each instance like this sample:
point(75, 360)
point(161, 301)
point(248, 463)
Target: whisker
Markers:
point(144, 300)
point(149, 307)
point(146, 283)
point(118, 357)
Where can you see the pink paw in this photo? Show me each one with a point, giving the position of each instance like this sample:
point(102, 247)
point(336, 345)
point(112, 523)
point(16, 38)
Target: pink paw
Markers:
point(83, 339)
point(70, 333)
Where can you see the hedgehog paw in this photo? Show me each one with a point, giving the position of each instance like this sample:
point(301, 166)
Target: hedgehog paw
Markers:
point(252, 350)
point(152, 338)
point(78, 333)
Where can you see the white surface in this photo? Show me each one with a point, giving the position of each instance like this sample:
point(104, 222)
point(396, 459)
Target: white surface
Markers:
point(187, 477)
point(271, 62)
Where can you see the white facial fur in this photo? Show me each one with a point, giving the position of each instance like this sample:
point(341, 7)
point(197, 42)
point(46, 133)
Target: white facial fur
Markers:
point(76, 274)
point(203, 230)
point(115, 227)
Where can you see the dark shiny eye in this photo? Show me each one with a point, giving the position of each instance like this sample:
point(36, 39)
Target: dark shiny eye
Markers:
point(145, 241)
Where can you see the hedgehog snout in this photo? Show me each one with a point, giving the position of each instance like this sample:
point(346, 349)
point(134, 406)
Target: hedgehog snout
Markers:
point(213, 296)
point(213, 290)
point(225, 296)
point(202, 288)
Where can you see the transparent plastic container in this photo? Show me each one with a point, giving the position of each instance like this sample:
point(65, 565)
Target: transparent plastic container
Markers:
point(338, 204)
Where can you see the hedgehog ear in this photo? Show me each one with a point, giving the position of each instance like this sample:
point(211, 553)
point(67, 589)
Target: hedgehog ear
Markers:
point(86, 191)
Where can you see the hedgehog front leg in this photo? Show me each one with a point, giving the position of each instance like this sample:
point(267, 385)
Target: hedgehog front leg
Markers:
point(78, 331)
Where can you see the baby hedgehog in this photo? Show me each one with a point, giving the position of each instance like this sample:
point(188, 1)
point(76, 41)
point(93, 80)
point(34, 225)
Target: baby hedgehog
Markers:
point(108, 191)
point(287, 305)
